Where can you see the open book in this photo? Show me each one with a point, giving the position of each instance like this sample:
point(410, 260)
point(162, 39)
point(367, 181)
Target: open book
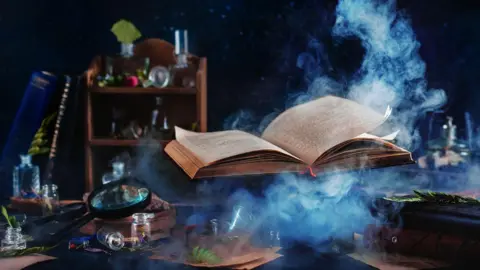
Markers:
point(326, 134)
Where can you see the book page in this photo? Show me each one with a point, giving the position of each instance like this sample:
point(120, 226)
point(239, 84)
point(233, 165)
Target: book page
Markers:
point(214, 146)
point(309, 129)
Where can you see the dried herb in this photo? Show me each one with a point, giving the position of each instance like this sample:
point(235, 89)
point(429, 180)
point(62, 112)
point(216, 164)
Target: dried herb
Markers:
point(202, 255)
point(434, 197)
point(24, 252)
point(39, 142)
point(125, 32)
point(12, 221)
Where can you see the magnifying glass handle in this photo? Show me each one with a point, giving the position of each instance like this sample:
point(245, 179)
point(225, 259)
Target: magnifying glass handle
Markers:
point(67, 230)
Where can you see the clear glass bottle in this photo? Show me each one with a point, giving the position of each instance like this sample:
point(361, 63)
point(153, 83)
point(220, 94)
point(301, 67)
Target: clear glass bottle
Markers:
point(157, 113)
point(119, 67)
point(117, 172)
point(26, 178)
point(50, 199)
point(110, 238)
point(13, 239)
point(141, 230)
point(183, 73)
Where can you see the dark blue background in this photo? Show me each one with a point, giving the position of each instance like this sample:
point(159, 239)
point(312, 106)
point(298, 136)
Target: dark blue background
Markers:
point(251, 45)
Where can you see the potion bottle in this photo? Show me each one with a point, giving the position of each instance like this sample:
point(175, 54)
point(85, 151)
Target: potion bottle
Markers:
point(117, 172)
point(13, 239)
point(26, 178)
point(141, 229)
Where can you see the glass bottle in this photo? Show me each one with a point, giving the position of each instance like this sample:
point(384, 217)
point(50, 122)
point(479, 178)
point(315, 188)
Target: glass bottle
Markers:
point(50, 199)
point(120, 67)
point(183, 73)
point(26, 178)
point(117, 172)
point(110, 238)
point(140, 230)
point(13, 239)
point(157, 113)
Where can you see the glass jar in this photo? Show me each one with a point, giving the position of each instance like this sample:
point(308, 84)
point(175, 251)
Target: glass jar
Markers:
point(50, 199)
point(13, 239)
point(110, 238)
point(26, 178)
point(120, 69)
point(141, 231)
point(117, 173)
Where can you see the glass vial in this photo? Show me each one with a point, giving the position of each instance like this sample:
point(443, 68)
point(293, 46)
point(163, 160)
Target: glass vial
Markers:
point(26, 178)
point(183, 73)
point(50, 199)
point(117, 172)
point(13, 239)
point(110, 238)
point(141, 230)
point(121, 68)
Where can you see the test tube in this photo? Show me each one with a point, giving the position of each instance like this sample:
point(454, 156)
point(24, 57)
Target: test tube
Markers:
point(181, 48)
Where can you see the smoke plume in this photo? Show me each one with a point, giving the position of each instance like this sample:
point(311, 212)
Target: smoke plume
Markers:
point(392, 73)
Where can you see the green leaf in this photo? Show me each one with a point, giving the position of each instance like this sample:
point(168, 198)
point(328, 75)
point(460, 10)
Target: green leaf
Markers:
point(5, 214)
point(125, 32)
point(202, 255)
point(13, 222)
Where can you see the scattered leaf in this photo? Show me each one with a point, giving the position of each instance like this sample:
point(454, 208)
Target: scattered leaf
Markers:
point(23, 252)
point(202, 255)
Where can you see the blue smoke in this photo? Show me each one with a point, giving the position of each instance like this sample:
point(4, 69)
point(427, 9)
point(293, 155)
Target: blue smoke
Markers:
point(392, 74)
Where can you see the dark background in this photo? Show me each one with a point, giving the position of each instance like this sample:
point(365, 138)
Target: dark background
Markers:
point(251, 46)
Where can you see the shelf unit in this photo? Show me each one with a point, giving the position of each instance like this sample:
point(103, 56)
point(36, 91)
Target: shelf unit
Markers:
point(160, 53)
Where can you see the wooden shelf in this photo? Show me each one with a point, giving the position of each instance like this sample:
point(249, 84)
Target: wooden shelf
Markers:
point(120, 142)
point(141, 90)
point(184, 105)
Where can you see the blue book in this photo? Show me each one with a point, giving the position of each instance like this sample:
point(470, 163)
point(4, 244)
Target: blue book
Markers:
point(36, 100)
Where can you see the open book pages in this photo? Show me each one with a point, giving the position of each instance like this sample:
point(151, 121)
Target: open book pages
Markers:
point(326, 132)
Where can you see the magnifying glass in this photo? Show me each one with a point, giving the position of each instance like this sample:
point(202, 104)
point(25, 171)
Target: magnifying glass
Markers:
point(114, 200)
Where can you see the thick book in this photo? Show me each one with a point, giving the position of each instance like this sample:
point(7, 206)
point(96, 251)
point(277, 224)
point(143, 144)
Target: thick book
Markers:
point(324, 135)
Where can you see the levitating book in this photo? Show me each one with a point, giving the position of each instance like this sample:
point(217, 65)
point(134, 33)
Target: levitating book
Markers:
point(323, 135)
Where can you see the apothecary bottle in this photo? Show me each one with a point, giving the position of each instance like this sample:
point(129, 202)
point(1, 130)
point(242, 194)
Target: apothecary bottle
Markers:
point(26, 178)
point(125, 69)
point(117, 172)
point(13, 239)
point(141, 229)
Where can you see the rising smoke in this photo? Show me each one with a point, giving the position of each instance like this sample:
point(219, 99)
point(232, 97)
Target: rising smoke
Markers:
point(392, 74)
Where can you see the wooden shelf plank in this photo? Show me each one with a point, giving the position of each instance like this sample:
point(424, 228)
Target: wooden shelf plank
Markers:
point(141, 90)
point(119, 142)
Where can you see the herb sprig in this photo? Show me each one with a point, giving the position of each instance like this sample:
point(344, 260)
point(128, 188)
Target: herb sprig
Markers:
point(39, 142)
point(435, 197)
point(24, 252)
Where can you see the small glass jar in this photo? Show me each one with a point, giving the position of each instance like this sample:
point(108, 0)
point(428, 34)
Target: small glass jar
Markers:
point(110, 238)
point(141, 231)
point(13, 239)
point(50, 199)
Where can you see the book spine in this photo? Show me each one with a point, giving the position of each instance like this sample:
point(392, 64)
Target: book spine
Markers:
point(435, 245)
